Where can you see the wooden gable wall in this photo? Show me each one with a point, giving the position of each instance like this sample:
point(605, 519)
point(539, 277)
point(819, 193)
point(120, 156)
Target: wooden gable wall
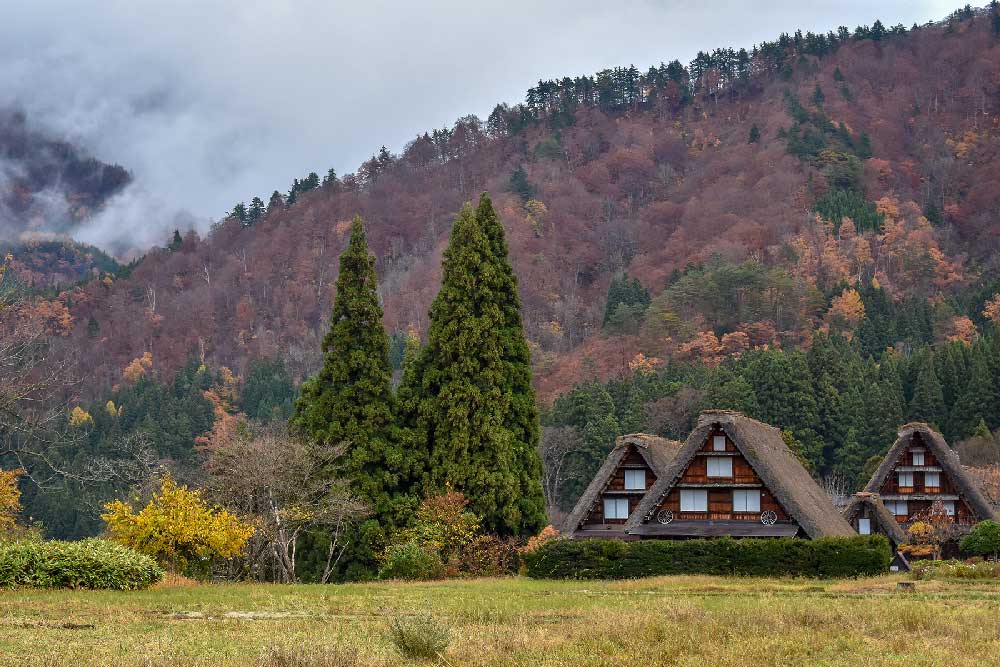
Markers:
point(616, 488)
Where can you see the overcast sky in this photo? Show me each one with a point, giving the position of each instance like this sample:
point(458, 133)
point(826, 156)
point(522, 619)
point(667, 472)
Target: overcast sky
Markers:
point(210, 102)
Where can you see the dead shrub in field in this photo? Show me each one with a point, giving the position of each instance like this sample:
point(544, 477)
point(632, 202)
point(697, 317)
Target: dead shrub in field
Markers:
point(421, 637)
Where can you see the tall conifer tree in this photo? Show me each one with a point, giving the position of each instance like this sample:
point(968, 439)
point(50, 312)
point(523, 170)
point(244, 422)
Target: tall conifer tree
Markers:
point(476, 408)
point(927, 404)
point(349, 403)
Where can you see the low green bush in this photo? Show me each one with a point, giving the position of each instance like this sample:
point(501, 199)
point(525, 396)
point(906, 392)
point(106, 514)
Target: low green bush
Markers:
point(410, 560)
point(420, 637)
point(91, 563)
point(614, 559)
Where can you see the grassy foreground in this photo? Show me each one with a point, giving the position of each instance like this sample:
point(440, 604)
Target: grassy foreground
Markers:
point(660, 621)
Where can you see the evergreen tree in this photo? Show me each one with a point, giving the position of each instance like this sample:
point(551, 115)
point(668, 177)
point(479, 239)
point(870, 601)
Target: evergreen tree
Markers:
point(275, 203)
point(349, 403)
point(754, 134)
point(927, 404)
point(176, 241)
point(818, 97)
point(476, 408)
point(850, 459)
point(520, 185)
point(256, 210)
point(729, 391)
point(239, 212)
point(979, 398)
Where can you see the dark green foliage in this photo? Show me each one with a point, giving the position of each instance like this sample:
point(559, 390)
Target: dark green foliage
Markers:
point(239, 212)
point(818, 98)
point(754, 134)
point(349, 404)
point(520, 185)
point(175, 241)
point(92, 563)
point(420, 637)
point(626, 304)
point(838, 204)
point(256, 210)
point(828, 557)
point(983, 540)
point(268, 393)
point(410, 561)
point(837, 74)
point(469, 395)
point(927, 404)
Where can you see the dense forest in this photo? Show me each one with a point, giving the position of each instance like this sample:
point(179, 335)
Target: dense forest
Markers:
point(806, 231)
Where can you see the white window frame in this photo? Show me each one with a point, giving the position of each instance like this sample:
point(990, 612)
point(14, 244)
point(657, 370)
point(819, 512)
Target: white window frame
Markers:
point(895, 505)
point(936, 476)
point(949, 507)
point(630, 476)
point(694, 500)
point(864, 526)
point(718, 443)
point(746, 500)
point(903, 474)
point(918, 458)
point(613, 508)
point(727, 467)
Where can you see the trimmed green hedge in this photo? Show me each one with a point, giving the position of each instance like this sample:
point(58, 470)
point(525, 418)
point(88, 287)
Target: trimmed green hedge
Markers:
point(828, 557)
point(89, 563)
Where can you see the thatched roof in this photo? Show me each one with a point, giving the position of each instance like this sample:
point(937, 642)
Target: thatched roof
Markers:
point(656, 451)
point(947, 459)
point(770, 457)
point(885, 519)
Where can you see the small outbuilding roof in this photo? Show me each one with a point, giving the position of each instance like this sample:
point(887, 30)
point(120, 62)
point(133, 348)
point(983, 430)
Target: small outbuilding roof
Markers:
point(885, 519)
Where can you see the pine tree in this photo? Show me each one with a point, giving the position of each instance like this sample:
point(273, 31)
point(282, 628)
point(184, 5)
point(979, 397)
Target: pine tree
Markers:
point(476, 407)
point(520, 185)
point(927, 404)
point(256, 210)
point(979, 398)
point(349, 403)
point(176, 241)
point(754, 134)
point(818, 97)
point(850, 459)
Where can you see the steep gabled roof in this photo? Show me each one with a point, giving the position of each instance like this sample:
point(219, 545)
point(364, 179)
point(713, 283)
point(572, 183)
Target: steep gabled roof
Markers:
point(885, 519)
point(947, 459)
point(774, 463)
point(657, 452)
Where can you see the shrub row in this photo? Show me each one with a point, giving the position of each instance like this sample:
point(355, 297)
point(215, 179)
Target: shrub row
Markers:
point(89, 563)
point(974, 568)
point(614, 559)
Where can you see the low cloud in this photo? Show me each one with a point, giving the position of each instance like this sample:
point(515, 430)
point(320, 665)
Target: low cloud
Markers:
point(209, 102)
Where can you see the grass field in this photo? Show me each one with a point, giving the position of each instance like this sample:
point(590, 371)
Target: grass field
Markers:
point(664, 621)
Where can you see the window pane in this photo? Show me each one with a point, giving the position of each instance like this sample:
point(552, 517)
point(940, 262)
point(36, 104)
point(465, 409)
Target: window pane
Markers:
point(635, 479)
point(720, 466)
point(932, 479)
point(746, 500)
point(905, 479)
point(949, 507)
point(753, 500)
point(616, 508)
point(694, 500)
point(719, 443)
point(865, 526)
point(918, 458)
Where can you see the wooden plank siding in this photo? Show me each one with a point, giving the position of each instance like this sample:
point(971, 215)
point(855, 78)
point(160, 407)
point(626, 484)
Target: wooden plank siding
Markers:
point(616, 488)
point(946, 486)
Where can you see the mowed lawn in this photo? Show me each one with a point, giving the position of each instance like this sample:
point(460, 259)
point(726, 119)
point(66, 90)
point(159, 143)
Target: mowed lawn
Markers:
point(659, 621)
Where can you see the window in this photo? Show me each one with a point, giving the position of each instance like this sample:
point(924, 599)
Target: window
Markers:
point(746, 500)
point(897, 507)
point(694, 500)
point(905, 478)
point(949, 507)
point(864, 526)
point(635, 480)
point(616, 508)
point(918, 458)
point(932, 479)
point(720, 466)
point(719, 443)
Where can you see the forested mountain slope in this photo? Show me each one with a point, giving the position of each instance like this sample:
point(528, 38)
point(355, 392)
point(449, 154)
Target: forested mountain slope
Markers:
point(701, 182)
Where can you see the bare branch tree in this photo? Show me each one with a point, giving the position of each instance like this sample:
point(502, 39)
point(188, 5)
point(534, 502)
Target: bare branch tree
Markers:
point(555, 447)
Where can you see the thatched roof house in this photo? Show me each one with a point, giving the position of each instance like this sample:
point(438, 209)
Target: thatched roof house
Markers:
point(628, 473)
point(735, 476)
point(921, 469)
point(868, 515)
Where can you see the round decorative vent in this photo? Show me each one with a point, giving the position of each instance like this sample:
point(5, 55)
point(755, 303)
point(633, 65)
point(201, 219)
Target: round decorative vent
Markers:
point(768, 517)
point(665, 516)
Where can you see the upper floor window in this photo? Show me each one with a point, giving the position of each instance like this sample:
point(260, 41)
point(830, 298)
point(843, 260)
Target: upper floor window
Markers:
point(719, 443)
point(616, 508)
point(918, 458)
point(932, 479)
point(746, 500)
point(949, 507)
point(694, 500)
point(905, 478)
point(864, 526)
point(635, 480)
point(720, 466)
